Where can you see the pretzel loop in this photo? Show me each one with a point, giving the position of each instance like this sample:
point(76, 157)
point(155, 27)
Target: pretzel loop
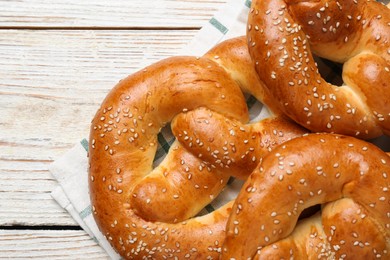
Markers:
point(282, 36)
point(348, 176)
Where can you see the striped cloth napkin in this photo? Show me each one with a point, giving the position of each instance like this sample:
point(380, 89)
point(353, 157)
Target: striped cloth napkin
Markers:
point(71, 169)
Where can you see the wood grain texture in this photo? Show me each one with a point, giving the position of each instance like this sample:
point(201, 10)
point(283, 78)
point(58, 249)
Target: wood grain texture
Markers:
point(52, 82)
point(48, 244)
point(107, 13)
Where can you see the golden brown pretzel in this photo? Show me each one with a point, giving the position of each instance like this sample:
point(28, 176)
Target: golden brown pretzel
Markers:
point(282, 35)
point(350, 177)
point(146, 212)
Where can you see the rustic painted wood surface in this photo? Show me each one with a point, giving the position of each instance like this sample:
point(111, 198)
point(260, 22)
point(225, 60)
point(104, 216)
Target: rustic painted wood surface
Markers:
point(58, 59)
point(106, 13)
point(48, 244)
point(51, 85)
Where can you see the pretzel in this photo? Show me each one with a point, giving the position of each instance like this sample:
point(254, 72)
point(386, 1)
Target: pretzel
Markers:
point(284, 34)
point(348, 176)
point(150, 213)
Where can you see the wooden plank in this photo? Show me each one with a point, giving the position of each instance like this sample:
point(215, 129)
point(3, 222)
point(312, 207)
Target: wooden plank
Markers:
point(107, 13)
point(52, 82)
point(48, 244)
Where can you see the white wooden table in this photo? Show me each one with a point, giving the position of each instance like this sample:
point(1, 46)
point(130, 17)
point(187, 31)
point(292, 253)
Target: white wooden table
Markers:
point(58, 59)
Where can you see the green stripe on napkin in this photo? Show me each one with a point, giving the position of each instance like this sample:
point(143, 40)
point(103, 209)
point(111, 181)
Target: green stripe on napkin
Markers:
point(248, 3)
point(165, 145)
point(84, 143)
point(163, 142)
point(220, 27)
point(85, 212)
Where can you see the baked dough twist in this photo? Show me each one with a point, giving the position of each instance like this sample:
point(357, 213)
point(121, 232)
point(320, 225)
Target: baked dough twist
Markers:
point(348, 176)
point(282, 34)
point(149, 213)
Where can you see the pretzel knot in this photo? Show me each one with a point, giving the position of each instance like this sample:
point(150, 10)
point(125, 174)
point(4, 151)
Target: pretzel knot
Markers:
point(282, 35)
point(146, 212)
point(349, 177)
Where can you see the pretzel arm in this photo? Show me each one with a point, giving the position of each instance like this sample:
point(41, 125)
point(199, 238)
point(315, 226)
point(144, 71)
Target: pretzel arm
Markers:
point(164, 186)
point(369, 75)
point(307, 239)
point(229, 144)
point(321, 237)
point(359, 235)
point(339, 31)
point(240, 67)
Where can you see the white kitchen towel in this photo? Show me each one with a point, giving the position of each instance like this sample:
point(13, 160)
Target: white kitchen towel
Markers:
point(71, 170)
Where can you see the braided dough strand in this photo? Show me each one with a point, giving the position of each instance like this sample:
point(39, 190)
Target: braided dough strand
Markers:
point(349, 176)
point(282, 36)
